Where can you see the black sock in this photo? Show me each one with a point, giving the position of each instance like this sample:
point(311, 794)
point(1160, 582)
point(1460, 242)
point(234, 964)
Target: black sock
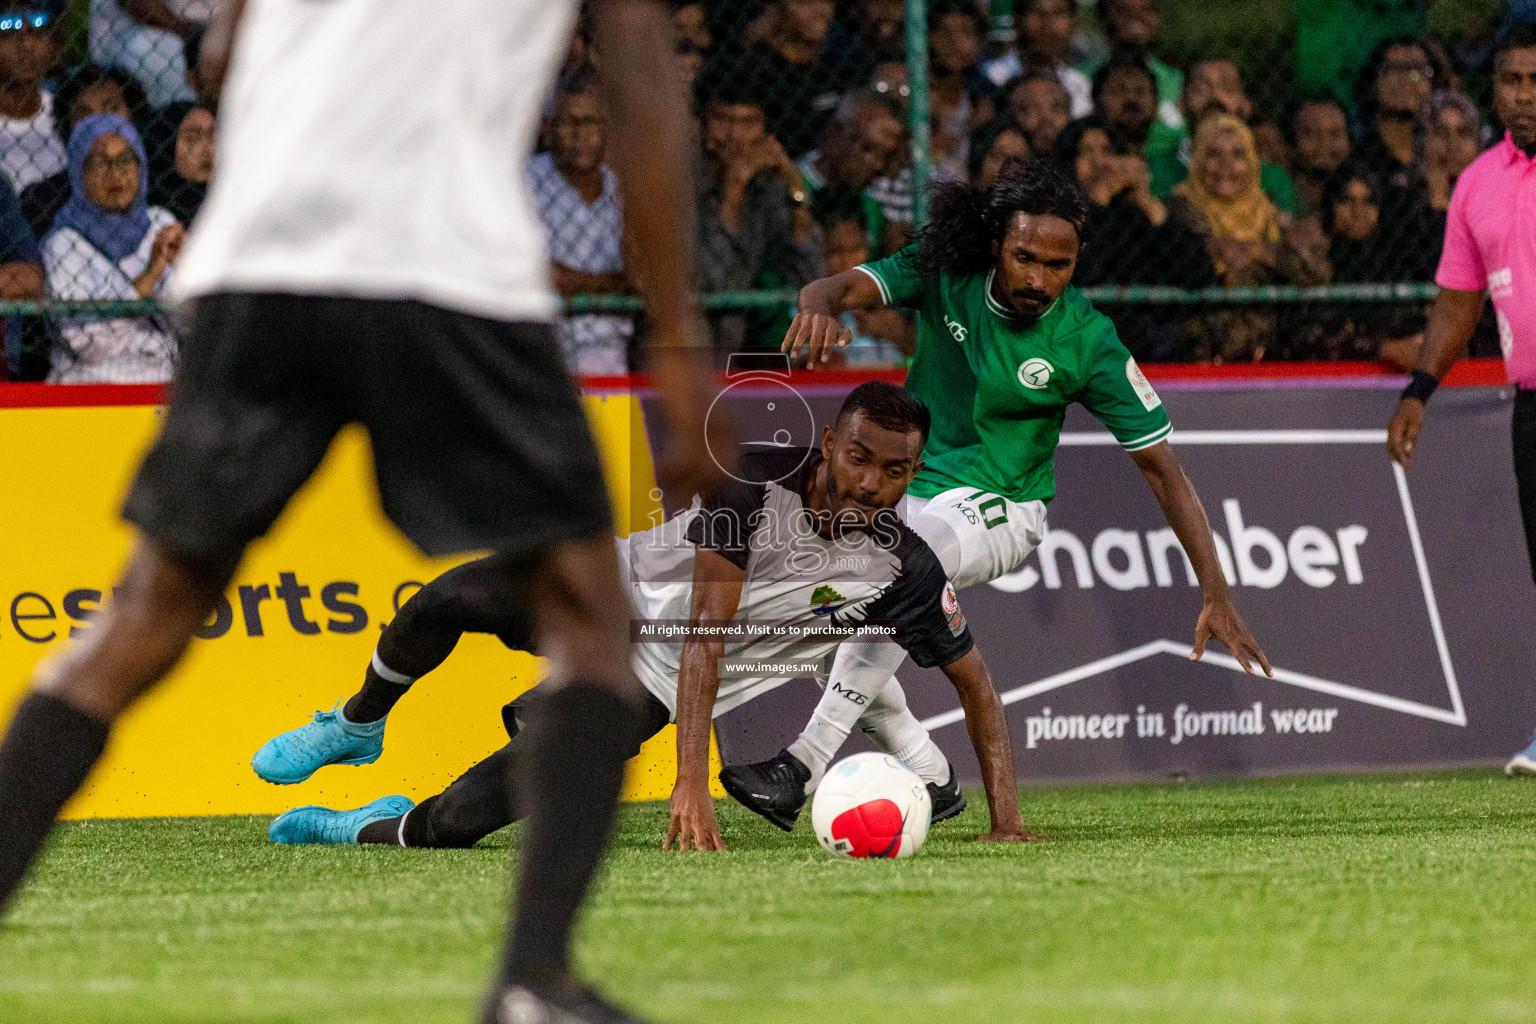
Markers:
point(572, 769)
point(374, 700)
point(46, 755)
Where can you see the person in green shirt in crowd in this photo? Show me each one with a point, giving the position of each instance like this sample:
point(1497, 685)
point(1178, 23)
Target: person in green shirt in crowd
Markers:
point(1210, 85)
point(1133, 25)
point(1334, 38)
point(1005, 344)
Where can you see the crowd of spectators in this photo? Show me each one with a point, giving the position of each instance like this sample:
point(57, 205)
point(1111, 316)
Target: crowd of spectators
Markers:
point(803, 166)
point(105, 160)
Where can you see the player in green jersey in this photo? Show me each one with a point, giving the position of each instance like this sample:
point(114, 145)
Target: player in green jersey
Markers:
point(1004, 345)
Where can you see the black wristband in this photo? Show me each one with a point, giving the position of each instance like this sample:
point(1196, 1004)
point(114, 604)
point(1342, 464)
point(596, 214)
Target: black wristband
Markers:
point(1421, 385)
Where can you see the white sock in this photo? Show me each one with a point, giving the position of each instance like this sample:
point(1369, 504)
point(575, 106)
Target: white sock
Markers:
point(897, 731)
point(859, 671)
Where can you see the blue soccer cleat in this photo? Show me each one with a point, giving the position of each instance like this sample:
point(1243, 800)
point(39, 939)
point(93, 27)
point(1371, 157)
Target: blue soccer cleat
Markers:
point(1523, 763)
point(305, 825)
point(330, 739)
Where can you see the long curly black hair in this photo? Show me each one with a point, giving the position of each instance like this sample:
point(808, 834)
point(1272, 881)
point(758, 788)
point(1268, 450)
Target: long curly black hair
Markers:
point(964, 220)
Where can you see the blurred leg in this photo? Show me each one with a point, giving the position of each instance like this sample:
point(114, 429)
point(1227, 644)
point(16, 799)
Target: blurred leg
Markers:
point(578, 737)
point(61, 728)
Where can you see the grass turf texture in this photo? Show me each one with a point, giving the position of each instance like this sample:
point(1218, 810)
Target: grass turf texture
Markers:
point(1383, 898)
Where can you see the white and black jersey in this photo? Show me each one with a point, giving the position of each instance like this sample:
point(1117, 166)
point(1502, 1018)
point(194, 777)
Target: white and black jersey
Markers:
point(798, 583)
point(373, 149)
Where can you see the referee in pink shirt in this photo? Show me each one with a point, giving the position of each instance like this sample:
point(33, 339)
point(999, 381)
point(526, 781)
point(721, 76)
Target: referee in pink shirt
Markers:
point(1490, 249)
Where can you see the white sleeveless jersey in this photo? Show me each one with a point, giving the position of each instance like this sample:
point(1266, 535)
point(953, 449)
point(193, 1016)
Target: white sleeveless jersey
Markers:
point(374, 148)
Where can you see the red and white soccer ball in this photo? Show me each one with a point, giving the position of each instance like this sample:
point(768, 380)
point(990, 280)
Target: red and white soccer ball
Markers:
point(871, 805)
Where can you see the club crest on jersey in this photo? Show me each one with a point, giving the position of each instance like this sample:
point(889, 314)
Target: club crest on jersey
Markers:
point(1141, 385)
point(825, 600)
point(1035, 373)
point(951, 605)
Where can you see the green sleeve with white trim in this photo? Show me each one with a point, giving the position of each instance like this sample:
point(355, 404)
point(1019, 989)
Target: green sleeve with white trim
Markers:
point(902, 282)
point(1120, 396)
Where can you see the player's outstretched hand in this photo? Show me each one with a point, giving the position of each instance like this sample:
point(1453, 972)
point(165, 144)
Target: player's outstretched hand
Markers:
point(693, 824)
point(1020, 836)
point(816, 335)
point(1403, 430)
point(1219, 619)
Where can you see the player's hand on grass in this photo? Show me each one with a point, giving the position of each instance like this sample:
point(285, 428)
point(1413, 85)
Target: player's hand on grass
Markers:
point(1403, 430)
point(1219, 619)
point(693, 824)
point(816, 335)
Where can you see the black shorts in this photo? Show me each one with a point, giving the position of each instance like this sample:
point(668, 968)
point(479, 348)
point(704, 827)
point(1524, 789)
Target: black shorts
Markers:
point(1523, 431)
point(479, 441)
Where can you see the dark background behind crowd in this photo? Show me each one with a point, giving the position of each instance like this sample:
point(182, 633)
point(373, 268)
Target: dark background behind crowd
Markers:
point(1248, 142)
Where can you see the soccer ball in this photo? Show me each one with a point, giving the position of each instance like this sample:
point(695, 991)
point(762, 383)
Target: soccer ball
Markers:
point(871, 805)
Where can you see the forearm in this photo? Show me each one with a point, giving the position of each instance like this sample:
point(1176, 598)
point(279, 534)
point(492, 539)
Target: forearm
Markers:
point(988, 729)
point(1452, 319)
point(648, 143)
point(836, 295)
point(1186, 515)
point(156, 14)
point(698, 684)
point(569, 281)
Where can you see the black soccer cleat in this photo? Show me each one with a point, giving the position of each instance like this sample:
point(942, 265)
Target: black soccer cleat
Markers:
point(947, 799)
point(566, 1004)
point(774, 789)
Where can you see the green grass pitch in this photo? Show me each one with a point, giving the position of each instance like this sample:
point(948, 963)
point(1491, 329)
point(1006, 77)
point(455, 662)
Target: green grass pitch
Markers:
point(1350, 899)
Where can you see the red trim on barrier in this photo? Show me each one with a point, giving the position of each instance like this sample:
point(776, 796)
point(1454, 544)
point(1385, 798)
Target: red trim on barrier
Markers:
point(1467, 373)
point(55, 396)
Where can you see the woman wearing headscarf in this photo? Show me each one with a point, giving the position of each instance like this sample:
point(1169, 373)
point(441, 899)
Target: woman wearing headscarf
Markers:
point(109, 243)
point(181, 160)
point(1248, 238)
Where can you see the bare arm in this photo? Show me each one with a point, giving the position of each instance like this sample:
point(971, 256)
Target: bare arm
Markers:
point(156, 14)
point(570, 281)
point(816, 328)
point(1181, 507)
point(716, 596)
point(219, 46)
point(989, 736)
point(648, 143)
point(1452, 319)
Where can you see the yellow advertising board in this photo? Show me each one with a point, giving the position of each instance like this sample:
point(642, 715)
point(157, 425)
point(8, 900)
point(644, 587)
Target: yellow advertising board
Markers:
point(295, 632)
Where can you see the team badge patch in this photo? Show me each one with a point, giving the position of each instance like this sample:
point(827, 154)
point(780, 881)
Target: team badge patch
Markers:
point(1141, 385)
point(951, 605)
point(825, 600)
point(1035, 373)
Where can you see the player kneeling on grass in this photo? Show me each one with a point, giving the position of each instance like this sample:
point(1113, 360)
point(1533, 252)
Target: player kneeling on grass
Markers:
point(803, 540)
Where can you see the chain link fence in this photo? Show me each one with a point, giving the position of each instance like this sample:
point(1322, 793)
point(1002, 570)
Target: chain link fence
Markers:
point(1268, 178)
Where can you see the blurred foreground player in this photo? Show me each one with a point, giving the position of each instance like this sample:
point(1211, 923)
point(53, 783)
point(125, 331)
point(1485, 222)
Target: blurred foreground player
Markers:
point(1005, 344)
point(365, 256)
point(1489, 230)
point(681, 571)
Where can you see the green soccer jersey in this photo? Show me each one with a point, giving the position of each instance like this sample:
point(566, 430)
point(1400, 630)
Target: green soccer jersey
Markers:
point(998, 387)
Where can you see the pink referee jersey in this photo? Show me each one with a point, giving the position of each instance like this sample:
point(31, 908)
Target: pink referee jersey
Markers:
point(1490, 243)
